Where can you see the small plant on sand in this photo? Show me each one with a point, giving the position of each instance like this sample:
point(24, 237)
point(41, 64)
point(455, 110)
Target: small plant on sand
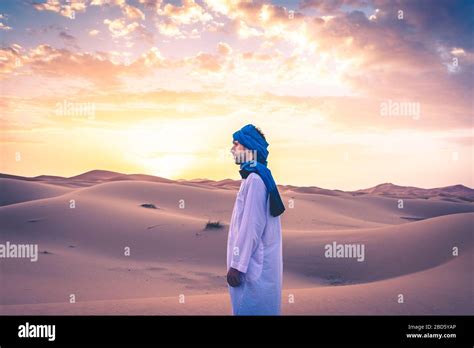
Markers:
point(213, 224)
point(149, 205)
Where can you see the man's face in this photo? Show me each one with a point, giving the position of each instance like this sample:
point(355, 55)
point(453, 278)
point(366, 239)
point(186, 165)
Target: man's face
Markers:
point(238, 151)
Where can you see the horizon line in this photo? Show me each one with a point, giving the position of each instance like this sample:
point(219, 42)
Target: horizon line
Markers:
point(279, 184)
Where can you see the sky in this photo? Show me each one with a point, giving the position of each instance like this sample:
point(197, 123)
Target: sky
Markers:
point(349, 93)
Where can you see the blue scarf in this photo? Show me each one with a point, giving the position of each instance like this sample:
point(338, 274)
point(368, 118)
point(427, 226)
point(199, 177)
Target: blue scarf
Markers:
point(249, 137)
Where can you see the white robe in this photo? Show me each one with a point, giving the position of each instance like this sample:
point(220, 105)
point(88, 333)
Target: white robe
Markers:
point(254, 247)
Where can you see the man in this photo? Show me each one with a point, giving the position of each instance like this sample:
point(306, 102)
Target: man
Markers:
point(254, 250)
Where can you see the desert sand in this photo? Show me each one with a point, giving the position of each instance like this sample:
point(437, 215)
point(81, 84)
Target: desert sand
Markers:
point(177, 265)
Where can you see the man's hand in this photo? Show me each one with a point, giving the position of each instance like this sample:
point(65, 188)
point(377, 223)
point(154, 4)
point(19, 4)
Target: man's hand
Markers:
point(233, 277)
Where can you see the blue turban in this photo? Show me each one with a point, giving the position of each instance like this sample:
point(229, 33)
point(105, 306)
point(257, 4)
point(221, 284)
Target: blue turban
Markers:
point(249, 137)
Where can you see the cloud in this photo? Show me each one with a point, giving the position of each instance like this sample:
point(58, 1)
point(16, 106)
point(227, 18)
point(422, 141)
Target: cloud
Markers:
point(100, 68)
point(188, 13)
point(66, 9)
point(68, 39)
point(10, 59)
point(446, 23)
point(245, 31)
point(340, 47)
point(62, 63)
point(406, 62)
point(3, 26)
point(106, 68)
point(333, 6)
point(168, 28)
point(129, 11)
point(224, 48)
point(119, 28)
point(221, 61)
point(186, 21)
point(381, 54)
point(249, 55)
point(207, 62)
point(132, 12)
point(151, 59)
point(70, 7)
point(154, 4)
point(258, 19)
point(255, 13)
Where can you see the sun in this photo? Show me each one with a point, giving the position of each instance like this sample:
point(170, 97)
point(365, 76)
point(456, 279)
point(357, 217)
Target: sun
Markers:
point(159, 149)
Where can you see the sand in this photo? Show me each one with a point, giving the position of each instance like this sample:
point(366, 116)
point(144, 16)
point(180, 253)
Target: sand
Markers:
point(408, 251)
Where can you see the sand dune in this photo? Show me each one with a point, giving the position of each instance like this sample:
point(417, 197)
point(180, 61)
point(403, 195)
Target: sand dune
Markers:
point(455, 193)
point(439, 294)
point(390, 251)
point(16, 191)
point(408, 250)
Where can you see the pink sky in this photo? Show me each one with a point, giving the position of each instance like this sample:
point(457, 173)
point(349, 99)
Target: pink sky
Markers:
point(350, 94)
